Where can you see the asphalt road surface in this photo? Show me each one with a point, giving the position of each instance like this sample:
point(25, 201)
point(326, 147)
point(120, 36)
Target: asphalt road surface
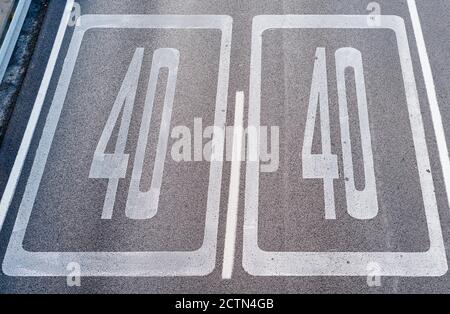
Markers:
point(131, 183)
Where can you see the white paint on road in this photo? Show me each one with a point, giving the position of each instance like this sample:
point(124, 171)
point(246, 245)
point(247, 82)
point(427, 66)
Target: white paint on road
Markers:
point(144, 205)
point(432, 98)
point(233, 193)
point(361, 204)
point(433, 262)
point(258, 262)
point(13, 179)
point(20, 262)
point(325, 165)
point(114, 166)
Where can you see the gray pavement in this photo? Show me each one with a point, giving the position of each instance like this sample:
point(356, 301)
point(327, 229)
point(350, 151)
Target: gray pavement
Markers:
point(285, 242)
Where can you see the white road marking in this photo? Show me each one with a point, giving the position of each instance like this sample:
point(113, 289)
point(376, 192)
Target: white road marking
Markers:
point(199, 262)
point(258, 262)
point(432, 98)
point(324, 165)
point(13, 179)
point(361, 204)
point(144, 205)
point(113, 166)
point(233, 196)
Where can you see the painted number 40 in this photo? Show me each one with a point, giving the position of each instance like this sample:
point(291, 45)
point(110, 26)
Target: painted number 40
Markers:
point(140, 205)
point(361, 204)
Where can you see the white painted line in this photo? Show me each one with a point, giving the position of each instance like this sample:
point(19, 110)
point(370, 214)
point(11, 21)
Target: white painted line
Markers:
point(233, 196)
point(200, 262)
point(12, 35)
point(432, 98)
point(35, 113)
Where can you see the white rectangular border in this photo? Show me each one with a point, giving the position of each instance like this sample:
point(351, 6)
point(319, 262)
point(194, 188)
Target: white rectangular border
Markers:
point(19, 262)
point(258, 262)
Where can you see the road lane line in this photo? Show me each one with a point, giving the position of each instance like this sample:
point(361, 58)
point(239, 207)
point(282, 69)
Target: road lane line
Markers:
point(432, 98)
point(34, 117)
point(233, 196)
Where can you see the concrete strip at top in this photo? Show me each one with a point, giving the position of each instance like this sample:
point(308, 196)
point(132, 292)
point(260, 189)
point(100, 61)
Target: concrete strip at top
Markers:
point(5, 10)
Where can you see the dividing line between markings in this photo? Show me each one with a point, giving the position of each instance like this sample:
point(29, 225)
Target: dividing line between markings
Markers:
point(233, 196)
point(13, 179)
point(432, 98)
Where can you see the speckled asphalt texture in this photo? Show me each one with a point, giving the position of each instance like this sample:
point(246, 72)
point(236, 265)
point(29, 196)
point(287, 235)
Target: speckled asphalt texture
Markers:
point(66, 215)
